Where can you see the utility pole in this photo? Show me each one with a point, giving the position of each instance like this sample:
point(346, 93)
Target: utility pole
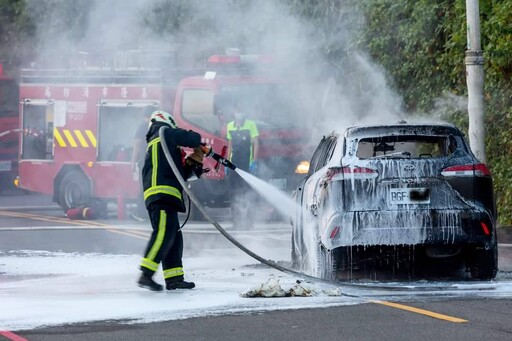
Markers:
point(475, 81)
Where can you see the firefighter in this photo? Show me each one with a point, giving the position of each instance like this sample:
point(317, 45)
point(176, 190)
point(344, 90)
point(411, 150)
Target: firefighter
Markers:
point(243, 146)
point(163, 199)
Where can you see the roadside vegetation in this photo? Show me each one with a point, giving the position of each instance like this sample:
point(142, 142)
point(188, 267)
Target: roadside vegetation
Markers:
point(419, 43)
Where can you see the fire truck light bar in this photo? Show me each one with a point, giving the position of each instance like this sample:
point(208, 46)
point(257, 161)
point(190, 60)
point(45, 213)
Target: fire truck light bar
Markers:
point(220, 59)
point(238, 64)
point(247, 58)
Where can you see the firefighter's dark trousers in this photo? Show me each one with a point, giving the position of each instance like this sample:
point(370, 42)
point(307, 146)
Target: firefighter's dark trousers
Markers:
point(165, 245)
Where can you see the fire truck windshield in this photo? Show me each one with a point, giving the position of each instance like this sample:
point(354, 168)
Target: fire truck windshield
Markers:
point(271, 105)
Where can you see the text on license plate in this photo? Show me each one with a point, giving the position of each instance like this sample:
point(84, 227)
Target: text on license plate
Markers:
point(409, 196)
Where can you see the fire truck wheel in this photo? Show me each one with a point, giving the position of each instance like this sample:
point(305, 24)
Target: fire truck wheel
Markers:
point(74, 191)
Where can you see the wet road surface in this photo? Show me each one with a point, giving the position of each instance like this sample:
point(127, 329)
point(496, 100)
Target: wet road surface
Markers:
point(32, 222)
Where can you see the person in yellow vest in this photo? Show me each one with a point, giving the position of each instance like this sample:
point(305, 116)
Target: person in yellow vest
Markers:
point(242, 135)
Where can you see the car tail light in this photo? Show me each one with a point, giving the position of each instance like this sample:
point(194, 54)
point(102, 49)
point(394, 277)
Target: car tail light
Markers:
point(485, 228)
point(482, 170)
point(466, 170)
point(359, 172)
point(334, 232)
point(349, 173)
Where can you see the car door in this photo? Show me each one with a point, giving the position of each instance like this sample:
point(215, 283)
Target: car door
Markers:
point(319, 160)
point(302, 197)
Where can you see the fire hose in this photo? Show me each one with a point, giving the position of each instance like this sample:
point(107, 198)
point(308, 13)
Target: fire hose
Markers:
point(201, 208)
point(10, 131)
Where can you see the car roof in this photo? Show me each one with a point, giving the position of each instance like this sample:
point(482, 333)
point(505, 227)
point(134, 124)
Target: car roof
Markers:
point(433, 129)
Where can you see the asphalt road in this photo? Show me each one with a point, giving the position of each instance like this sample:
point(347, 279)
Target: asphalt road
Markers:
point(461, 318)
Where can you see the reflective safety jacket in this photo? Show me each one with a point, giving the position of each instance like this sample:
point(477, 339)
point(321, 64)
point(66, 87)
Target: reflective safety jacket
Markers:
point(241, 142)
point(161, 187)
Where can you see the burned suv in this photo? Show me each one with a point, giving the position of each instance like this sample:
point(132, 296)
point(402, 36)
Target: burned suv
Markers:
point(379, 190)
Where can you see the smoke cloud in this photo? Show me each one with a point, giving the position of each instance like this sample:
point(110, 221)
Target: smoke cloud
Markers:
point(338, 82)
point(335, 83)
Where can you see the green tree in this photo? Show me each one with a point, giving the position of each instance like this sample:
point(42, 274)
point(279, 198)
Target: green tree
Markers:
point(17, 33)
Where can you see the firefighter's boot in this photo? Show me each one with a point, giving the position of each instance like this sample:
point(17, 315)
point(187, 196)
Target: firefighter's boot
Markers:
point(146, 282)
point(178, 283)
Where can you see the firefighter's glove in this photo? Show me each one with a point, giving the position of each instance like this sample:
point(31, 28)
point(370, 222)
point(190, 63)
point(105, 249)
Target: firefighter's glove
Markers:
point(194, 162)
point(253, 167)
point(197, 156)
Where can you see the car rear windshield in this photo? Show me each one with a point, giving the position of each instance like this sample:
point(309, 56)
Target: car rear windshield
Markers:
point(406, 146)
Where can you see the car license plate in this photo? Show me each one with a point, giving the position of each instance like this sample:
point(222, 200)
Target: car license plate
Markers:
point(409, 196)
point(5, 166)
point(279, 183)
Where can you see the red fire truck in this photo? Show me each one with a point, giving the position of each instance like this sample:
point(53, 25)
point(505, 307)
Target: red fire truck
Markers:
point(79, 124)
point(8, 130)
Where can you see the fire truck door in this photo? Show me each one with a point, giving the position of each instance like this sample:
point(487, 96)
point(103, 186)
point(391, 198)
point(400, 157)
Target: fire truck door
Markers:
point(38, 122)
point(118, 123)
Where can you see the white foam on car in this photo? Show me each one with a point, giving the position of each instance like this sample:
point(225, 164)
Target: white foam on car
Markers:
point(408, 228)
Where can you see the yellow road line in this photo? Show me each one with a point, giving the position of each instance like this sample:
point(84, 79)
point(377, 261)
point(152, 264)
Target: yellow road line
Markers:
point(127, 233)
point(421, 311)
point(141, 233)
point(41, 218)
point(92, 225)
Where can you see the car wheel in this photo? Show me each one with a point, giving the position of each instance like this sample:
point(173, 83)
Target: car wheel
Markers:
point(325, 264)
point(484, 263)
point(74, 191)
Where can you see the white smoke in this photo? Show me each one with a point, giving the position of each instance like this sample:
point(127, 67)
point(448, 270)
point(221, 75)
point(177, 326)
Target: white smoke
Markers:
point(78, 33)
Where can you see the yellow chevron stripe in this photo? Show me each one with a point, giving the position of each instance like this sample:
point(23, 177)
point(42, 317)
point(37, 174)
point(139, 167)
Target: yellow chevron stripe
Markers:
point(81, 139)
point(70, 138)
point(58, 137)
point(91, 137)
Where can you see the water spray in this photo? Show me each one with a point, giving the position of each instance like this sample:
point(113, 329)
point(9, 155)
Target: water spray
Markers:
point(273, 196)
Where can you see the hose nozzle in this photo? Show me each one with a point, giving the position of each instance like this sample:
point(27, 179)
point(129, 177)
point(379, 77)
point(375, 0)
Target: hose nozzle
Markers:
point(208, 151)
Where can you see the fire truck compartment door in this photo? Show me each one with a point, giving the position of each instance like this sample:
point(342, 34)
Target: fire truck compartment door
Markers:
point(117, 125)
point(38, 123)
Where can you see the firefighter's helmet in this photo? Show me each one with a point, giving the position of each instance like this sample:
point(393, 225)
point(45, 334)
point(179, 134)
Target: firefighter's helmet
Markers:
point(164, 117)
